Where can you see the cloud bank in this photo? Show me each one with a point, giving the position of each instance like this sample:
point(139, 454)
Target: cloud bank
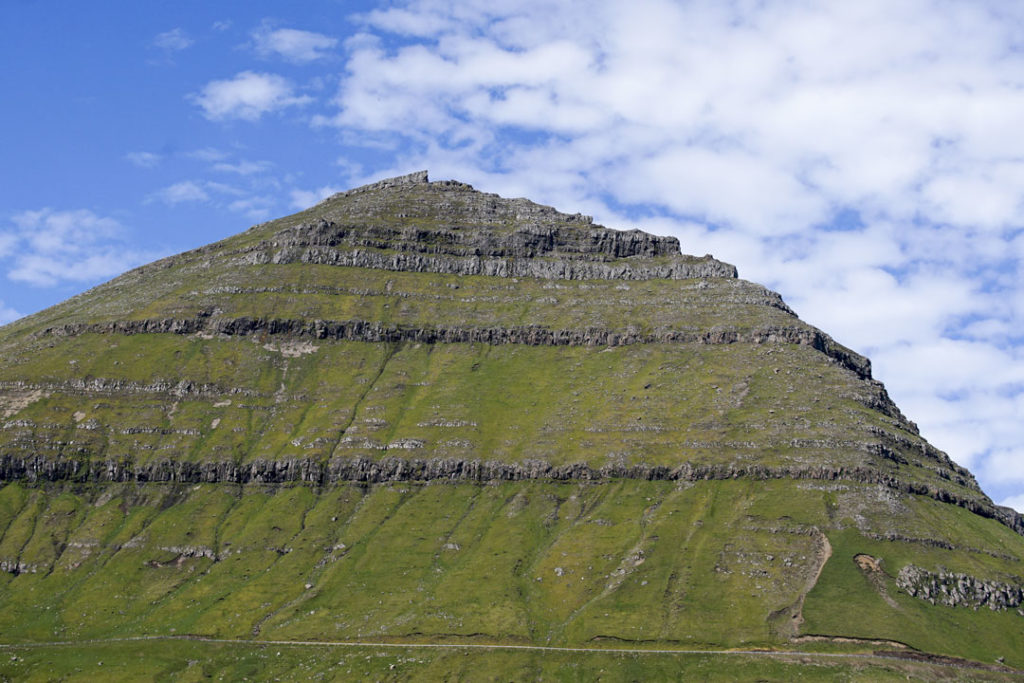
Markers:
point(52, 247)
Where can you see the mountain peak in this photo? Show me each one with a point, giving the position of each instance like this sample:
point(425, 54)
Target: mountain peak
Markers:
point(417, 411)
point(449, 227)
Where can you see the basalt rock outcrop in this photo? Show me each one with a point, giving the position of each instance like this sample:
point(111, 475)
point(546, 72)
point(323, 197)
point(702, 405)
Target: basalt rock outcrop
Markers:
point(419, 411)
point(961, 590)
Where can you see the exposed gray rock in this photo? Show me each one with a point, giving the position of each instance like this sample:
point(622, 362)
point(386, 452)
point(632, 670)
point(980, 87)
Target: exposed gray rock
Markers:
point(544, 268)
point(410, 224)
point(959, 590)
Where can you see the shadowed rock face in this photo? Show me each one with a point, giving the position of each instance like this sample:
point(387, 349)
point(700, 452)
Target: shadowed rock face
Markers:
point(420, 410)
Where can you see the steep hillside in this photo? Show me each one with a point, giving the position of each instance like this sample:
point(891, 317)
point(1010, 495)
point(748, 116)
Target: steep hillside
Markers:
point(418, 413)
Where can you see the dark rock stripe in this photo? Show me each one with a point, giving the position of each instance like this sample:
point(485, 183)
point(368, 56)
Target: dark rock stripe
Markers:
point(360, 330)
point(552, 235)
point(364, 470)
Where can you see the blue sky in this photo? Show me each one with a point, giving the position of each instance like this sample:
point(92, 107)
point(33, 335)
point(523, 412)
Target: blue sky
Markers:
point(864, 159)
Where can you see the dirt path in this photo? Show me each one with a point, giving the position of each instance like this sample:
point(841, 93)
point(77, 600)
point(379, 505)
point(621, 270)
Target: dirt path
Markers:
point(924, 658)
point(785, 623)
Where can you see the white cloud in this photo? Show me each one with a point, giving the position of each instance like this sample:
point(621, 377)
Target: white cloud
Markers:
point(247, 96)
point(173, 41)
point(256, 207)
point(7, 243)
point(223, 188)
point(243, 167)
point(48, 247)
point(303, 199)
point(188, 191)
point(862, 158)
point(292, 44)
point(143, 159)
point(207, 154)
point(1015, 502)
point(7, 314)
point(185, 191)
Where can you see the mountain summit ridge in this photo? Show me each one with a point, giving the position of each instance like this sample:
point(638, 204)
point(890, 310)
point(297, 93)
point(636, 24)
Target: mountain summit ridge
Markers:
point(467, 232)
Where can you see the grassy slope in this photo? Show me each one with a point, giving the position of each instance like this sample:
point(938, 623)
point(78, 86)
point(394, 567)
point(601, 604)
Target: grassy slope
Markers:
point(656, 404)
point(713, 564)
point(708, 565)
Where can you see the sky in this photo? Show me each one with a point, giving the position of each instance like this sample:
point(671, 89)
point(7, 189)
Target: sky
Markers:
point(864, 159)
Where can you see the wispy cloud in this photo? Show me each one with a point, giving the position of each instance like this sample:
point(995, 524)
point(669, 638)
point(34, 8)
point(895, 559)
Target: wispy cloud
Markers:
point(303, 199)
point(174, 40)
point(249, 201)
point(243, 167)
point(248, 96)
point(48, 247)
point(207, 154)
point(181, 192)
point(8, 241)
point(255, 207)
point(1015, 502)
point(7, 314)
point(292, 44)
point(143, 159)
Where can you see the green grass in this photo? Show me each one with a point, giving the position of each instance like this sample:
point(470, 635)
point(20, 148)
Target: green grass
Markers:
point(845, 602)
point(196, 661)
point(656, 404)
point(705, 565)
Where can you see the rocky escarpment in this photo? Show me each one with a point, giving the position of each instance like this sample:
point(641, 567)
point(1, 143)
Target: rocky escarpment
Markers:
point(525, 241)
point(393, 469)
point(954, 589)
point(544, 268)
point(410, 224)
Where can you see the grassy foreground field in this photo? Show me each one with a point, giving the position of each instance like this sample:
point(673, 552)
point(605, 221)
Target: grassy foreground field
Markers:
point(626, 564)
point(181, 660)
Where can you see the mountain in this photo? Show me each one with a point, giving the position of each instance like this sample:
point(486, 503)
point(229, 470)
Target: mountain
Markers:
point(416, 413)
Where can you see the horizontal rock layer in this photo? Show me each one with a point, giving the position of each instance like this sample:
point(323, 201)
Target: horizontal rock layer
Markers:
point(390, 469)
point(411, 224)
point(526, 241)
point(375, 332)
point(542, 268)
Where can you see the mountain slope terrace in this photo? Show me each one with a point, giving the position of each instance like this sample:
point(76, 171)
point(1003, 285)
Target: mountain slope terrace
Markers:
point(416, 410)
